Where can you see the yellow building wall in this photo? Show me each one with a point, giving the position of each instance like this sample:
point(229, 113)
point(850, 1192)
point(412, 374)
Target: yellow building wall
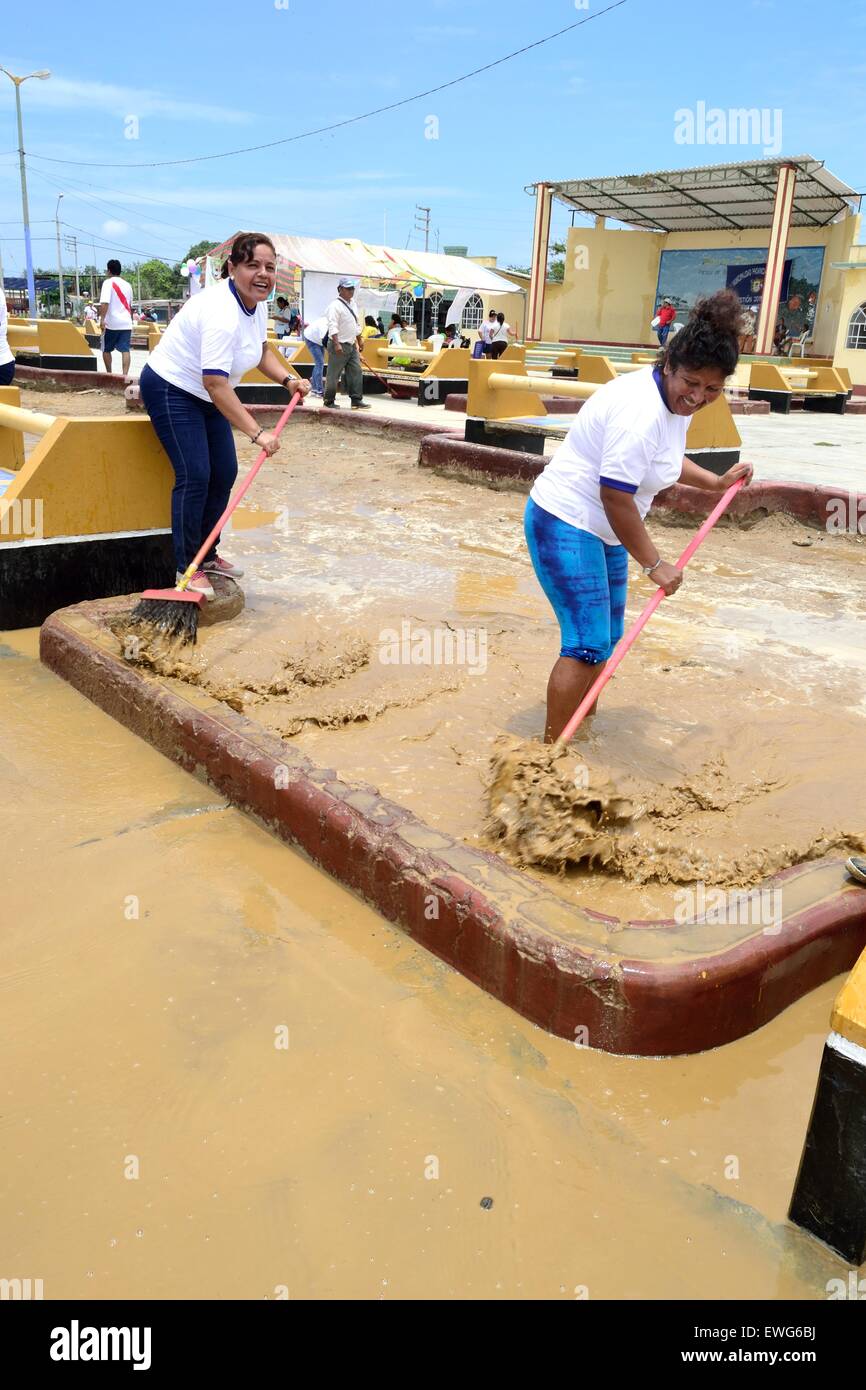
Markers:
point(853, 294)
point(610, 280)
point(611, 276)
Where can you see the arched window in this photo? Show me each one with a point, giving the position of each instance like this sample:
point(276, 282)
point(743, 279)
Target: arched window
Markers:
point(473, 312)
point(406, 307)
point(857, 329)
point(435, 302)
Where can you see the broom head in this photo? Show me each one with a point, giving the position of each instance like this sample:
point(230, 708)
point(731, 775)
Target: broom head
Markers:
point(172, 612)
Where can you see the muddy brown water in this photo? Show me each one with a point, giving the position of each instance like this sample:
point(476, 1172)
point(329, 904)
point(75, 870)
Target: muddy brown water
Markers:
point(157, 943)
point(394, 627)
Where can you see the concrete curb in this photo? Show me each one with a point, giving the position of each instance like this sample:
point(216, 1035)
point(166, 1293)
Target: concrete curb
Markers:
point(51, 379)
point(636, 988)
point(810, 504)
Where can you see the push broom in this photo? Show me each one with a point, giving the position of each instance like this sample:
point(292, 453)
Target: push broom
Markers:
point(535, 807)
point(174, 612)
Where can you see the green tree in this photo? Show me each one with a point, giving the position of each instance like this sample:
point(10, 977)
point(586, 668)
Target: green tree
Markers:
point(158, 280)
point(201, 248)
point(555, 262)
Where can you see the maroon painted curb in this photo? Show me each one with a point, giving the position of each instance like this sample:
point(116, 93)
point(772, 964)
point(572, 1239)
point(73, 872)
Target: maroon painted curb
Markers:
point(807, 502)
point(49, 377)
point(521, 944)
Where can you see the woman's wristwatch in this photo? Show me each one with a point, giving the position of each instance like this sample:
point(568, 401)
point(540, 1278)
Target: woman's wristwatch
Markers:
point(648, 569)
point(286, 379)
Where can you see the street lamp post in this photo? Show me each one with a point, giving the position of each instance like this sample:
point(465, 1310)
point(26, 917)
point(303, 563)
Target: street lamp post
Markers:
point(28, 250)
point(59, 259)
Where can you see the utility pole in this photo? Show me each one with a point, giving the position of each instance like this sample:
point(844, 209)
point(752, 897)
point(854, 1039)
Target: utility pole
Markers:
point(138, 277)
point(28, 249)
point(424, 224)
point(72, 243)
point(59, 259)
point(93, 272)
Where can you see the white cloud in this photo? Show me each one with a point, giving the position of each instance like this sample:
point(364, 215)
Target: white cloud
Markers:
point(114, 228)
point(63, 93)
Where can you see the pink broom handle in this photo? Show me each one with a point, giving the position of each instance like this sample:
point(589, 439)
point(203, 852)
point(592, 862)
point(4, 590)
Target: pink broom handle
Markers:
point(637, 627)
point(206, 544)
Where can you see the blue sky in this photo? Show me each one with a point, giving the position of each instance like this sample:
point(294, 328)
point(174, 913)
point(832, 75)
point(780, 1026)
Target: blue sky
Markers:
point(599, 100)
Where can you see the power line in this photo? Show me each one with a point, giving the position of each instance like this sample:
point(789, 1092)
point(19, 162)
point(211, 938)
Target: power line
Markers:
point(338, 125)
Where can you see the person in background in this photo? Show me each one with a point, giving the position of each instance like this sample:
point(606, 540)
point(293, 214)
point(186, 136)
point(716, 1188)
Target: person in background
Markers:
point(188, 390)
point(344, 331)
point(7, 356)
point(380, 325)
point(486, 331)
point(747, 331)
point(316, 339)
point(666, 315)
point(282, 317)
point(452, 337)
point(115, 316)
point(395, 331)
point(371, 328)
point(500, 335)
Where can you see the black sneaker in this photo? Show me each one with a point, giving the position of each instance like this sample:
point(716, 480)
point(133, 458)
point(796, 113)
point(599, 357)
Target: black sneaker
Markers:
point(360, 405)
point(856, 867)
point(330, 405)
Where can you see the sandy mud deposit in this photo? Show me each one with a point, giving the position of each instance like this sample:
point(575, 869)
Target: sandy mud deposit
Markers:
point(394, 628)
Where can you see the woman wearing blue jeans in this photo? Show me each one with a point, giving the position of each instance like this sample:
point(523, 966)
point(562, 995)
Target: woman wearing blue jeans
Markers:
point(188, 391)
point(585, 514)
point(315, 334)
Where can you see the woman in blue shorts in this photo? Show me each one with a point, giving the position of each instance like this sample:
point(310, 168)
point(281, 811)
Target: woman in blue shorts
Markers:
point(585, 513)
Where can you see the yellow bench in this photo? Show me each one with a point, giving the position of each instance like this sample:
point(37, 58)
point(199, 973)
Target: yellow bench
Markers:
point(822, 388)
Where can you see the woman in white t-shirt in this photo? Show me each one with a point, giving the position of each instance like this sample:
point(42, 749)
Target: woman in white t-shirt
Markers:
point(188, 391)
point(500, 333)
point(7, 356)
point(585, 512)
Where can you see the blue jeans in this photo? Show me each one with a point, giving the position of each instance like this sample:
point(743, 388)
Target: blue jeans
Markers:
point(7, 373)
point(585, 580)
point(662, 334)
point(317, 352)
point(201, 446)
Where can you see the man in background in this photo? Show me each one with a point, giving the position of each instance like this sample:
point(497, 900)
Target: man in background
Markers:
point(115, 317)
point(343, 356)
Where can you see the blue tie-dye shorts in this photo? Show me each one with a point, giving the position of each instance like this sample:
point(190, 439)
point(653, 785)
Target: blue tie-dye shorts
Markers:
point(585, 581)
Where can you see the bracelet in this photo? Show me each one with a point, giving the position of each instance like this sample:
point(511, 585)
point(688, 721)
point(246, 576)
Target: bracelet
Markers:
point(259, 431)
point(648, 569)
point(286, 379)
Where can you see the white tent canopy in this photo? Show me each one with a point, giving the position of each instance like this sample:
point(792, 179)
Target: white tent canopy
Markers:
point(368, 262)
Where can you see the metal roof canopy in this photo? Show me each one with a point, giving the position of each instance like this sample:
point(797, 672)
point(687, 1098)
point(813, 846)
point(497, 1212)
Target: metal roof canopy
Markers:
point(711, 197)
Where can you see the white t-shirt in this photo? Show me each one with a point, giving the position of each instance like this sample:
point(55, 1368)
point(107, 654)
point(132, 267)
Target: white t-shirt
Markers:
point(624, 437)
point(6, 353)
point(487, 330)
point(316, 330)
point(214, 334)
point(500, 333)
point(395, 337)
point(117, 316)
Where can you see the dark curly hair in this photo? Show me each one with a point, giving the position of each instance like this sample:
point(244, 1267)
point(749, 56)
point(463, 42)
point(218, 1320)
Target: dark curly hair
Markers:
point(243, 249)
point(710, 338)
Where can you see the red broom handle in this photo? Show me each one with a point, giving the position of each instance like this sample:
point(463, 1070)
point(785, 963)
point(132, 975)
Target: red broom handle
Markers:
point(241, 492)
point(637, 627)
